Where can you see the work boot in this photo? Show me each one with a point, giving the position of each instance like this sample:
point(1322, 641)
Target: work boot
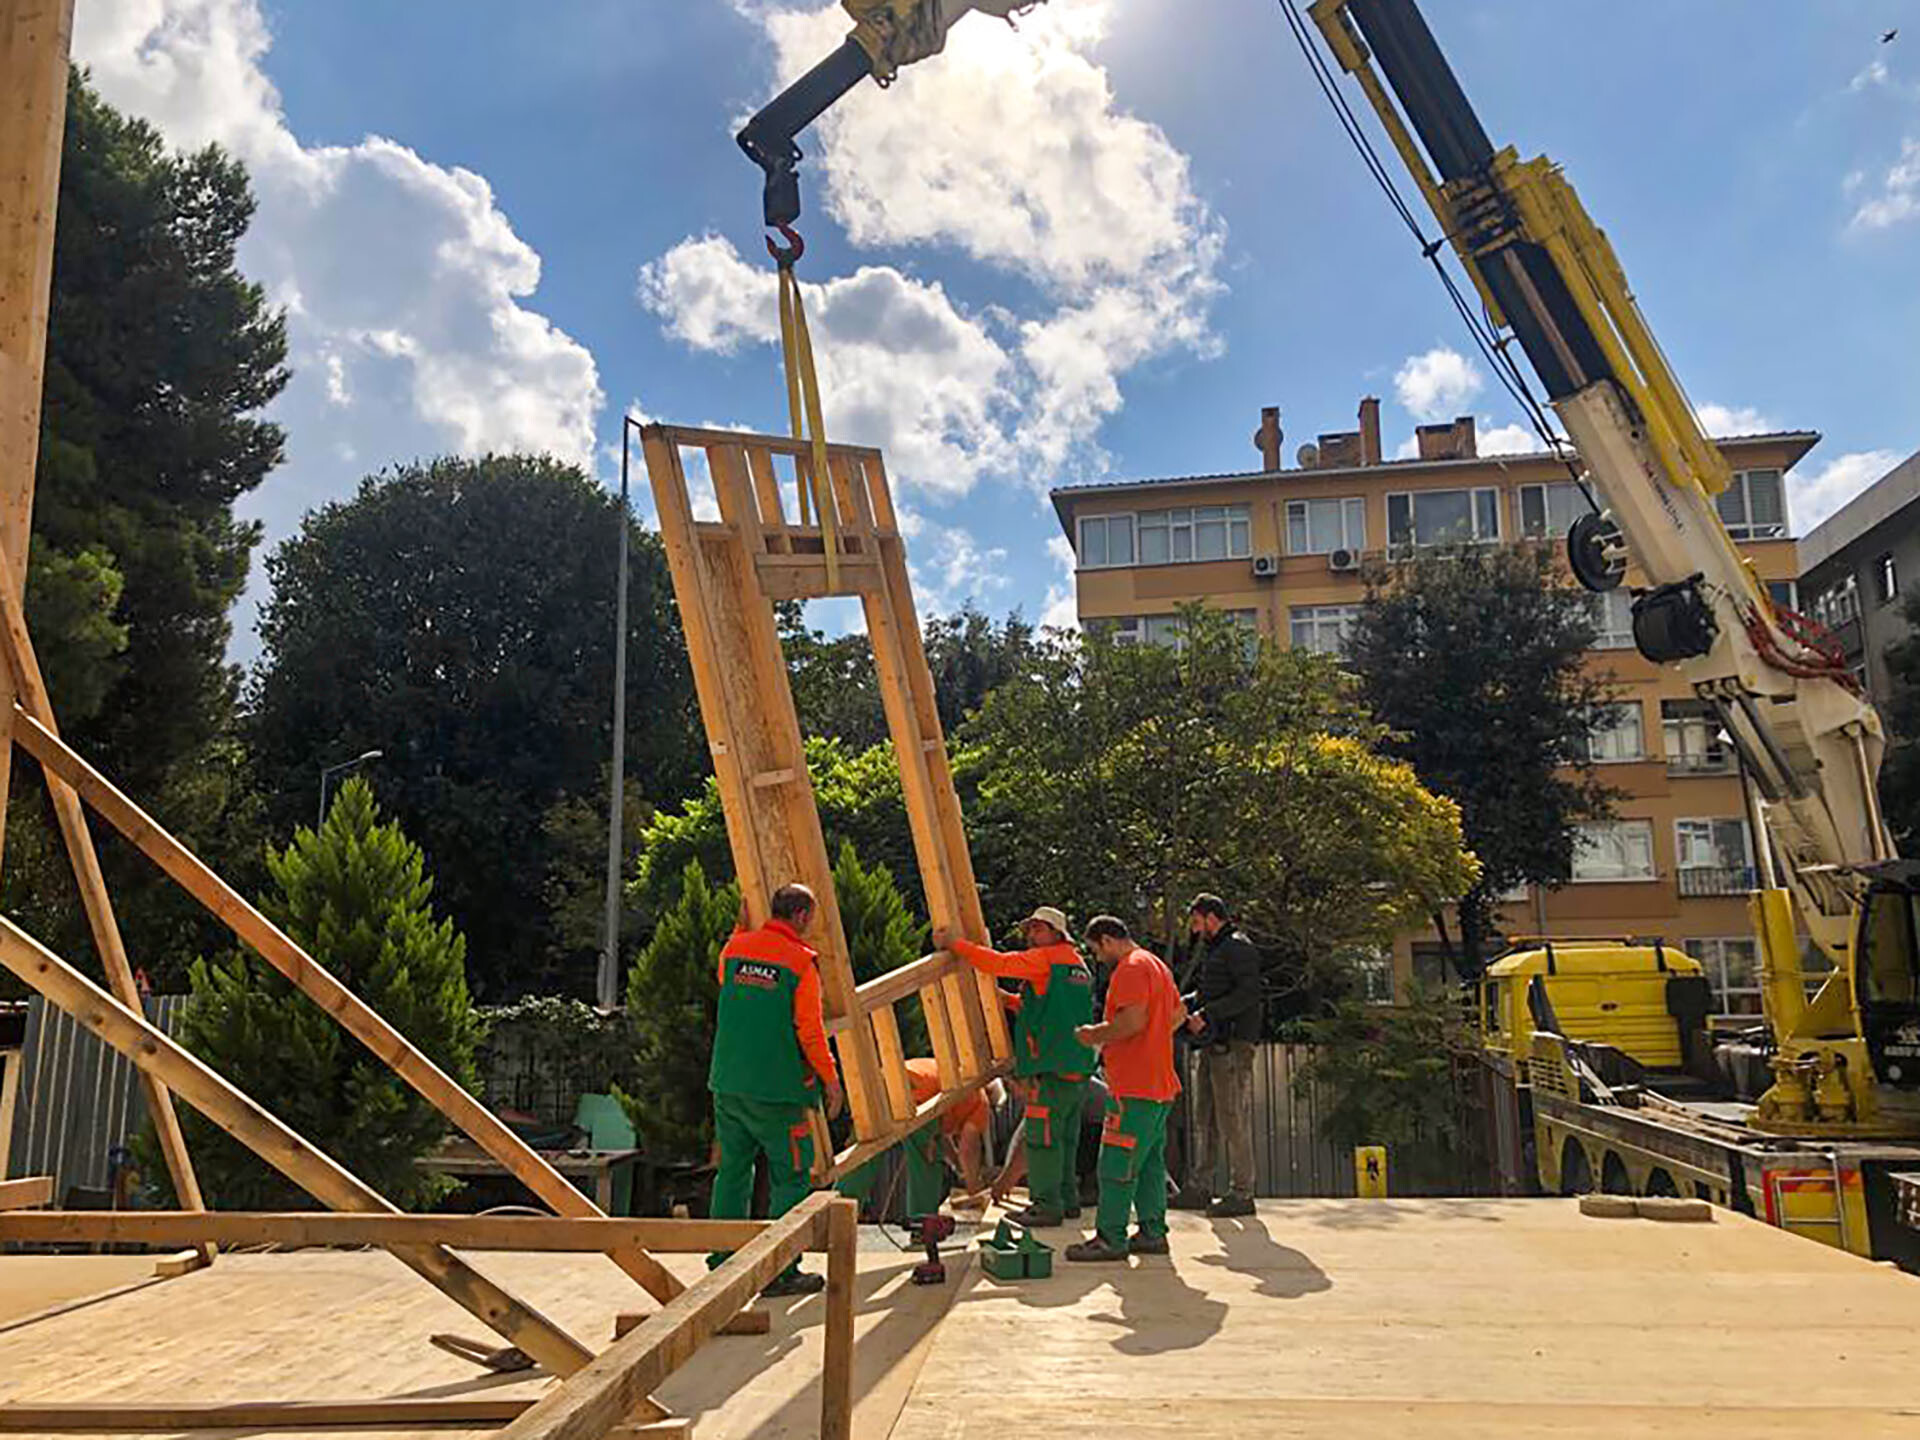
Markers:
point(1144, 1244)
point(1095, 1250)
point(1040, 1217)
point(795, 1282)
point(1232, 1207)
point(1191, 1197)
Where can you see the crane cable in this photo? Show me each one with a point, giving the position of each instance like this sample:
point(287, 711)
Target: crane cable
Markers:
point(804, 410)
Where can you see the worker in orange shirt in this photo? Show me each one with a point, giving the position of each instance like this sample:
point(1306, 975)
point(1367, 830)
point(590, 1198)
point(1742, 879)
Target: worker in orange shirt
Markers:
point(770, 1065)
point(961, 1130)
point(1135, 1041)
point(1056, 998)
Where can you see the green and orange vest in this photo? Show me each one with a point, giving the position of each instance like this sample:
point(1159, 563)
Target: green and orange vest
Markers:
point(756, 1048)
point(1043, 1039)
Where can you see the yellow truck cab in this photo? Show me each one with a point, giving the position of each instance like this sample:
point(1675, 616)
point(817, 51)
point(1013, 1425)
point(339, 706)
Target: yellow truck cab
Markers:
point(1604, 992)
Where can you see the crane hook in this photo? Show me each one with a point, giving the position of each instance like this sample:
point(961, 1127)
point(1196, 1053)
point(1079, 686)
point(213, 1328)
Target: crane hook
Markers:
point(788, 256)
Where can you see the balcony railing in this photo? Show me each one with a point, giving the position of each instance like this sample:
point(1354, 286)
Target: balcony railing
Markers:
point(1699, 881)
point(1684, 765)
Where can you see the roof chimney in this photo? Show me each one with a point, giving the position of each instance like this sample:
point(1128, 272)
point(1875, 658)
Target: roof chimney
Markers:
point(1370, 431)
point(1268, 437)
point(1457, 441)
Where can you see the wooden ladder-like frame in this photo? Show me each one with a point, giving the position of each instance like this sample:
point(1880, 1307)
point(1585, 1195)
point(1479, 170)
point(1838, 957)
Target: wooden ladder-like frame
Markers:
point(727, 576)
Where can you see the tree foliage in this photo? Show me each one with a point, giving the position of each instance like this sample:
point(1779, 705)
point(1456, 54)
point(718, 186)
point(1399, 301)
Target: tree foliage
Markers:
point(159, 358)
point(1477, 661)
point(1125, 778)
point(357, 893)
point(458, 616)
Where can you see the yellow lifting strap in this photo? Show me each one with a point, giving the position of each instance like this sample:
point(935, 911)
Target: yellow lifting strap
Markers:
point(803, 409)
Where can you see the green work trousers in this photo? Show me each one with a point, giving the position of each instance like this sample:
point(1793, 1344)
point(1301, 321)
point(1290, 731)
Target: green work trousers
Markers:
point(744, 1130)
point(1133, 1168)
point(1053, 1141)
point(926, 1172)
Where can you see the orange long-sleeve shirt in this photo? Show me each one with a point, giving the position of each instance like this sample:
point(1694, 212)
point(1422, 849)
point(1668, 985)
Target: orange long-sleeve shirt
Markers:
point(1034, 966)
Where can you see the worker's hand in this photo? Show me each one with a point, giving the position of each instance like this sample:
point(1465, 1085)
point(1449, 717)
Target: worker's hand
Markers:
point(942, 937)
point(1196, 1022)
point(836, 1098)
point(1087, 1035)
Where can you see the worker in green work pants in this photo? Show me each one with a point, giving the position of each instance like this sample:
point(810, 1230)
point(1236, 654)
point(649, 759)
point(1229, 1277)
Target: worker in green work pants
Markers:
point(1135, 1041)
point(1055, 998)
point(960, 1134)
point(770, 1064)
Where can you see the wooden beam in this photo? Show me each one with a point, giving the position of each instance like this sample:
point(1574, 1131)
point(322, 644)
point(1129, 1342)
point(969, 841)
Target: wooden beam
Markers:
point(188, 1077)
point(677, 1428)
point(314, 981)
point(836, 1373)
point(25, 1194)
point(30, 692)
point(11, 1064)
point(857, 1155)
point(532, 1233)
point(754, 1320)
point(605, 1393)
point(695, 437)
point(34, 42)
point(266, 1414)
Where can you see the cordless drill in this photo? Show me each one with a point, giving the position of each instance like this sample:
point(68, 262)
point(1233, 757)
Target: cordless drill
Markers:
point(930, 1230)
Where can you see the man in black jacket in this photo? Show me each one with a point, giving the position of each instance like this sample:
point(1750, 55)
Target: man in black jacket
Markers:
point(1225, 1023)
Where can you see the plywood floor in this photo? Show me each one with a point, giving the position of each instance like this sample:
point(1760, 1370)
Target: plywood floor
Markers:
point(1441, 1319)
point(1318, 1318)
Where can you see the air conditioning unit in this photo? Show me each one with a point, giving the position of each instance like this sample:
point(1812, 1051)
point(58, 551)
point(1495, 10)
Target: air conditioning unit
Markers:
point(1266, 567)
point(1343, 562)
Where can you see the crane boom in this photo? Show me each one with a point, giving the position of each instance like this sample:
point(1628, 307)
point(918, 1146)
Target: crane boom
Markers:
point(1847, 1060)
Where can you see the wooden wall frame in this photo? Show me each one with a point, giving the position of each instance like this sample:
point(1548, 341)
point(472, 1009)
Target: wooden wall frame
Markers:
point(727, 576)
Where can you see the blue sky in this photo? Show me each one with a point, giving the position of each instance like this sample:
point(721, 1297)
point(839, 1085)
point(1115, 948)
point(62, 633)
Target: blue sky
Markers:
point(1092, 247)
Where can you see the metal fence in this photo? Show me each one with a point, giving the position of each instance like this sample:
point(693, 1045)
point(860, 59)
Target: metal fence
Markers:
point(78, 1100)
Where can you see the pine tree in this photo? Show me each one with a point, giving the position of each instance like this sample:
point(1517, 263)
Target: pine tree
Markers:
point(356, 896)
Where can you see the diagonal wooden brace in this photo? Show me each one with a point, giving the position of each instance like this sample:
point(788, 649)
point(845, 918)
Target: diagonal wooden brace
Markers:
point(30, 693)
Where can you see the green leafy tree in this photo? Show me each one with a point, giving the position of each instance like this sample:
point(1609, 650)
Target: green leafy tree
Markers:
point(357, 895)
point(1477, 660)
point(673, 988)
point(458, 616)
point(160, 356)
point(1900, 774)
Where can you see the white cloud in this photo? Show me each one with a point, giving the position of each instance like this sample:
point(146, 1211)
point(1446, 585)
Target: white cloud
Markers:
point(1011, 148)
point(1408, 449)
point(1437, 385)
point(950, 568)
point(1509, 440)
point(1814, 496)
point(1875, 74)
point(1060, 610)
point(1721, 421)
point(402, 279)
point(1898, 197)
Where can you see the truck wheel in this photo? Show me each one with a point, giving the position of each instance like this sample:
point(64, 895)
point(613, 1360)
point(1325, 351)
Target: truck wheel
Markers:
point(1614, 1179)
point(1576, 1174)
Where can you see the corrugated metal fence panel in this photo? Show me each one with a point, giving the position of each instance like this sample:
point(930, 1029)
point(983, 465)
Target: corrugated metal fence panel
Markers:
point(1292, 1157)
point(79, 1100)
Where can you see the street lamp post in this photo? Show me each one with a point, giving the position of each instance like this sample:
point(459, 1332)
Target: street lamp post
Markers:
point(330, 771)
point(607, 990)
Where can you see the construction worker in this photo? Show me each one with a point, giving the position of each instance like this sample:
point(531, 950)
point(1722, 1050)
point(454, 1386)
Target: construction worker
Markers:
point(961, 1131)
point(1056, 997)
point(1135, 1041)
point(770, 1065)
point(1225, 1025)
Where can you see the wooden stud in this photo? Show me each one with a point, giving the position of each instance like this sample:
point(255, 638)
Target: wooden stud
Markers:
point(606, 1392)
point(12, 1062)
point(836, 1374)
point(155, 1052)
point(754, 1320)
point(313, 980)
point(30, 693)
point(893, 1063)
point(301, 1228)
point(185, 1262)
point(270, 1414)
point(854, 1157)
point(676, 1428)
point(25, 1194)
point(766, 490)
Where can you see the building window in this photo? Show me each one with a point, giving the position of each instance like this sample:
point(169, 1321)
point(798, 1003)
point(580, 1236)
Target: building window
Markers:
point(1105, 540)
point(1838, 603)
point(1886, 580)
point(1443, 517)
point(1714, 857)
point(1199, 532)
point(1613, 850)
point(1164, 630)
point(1548, 511)
point(1616, 734)
point(1320, 527)
point(1323, 629)
point(1693, 739)
point(1612, 619)
point(1375, 975)
point(1752, 507)
point(1732, 970)
point(1784, 593)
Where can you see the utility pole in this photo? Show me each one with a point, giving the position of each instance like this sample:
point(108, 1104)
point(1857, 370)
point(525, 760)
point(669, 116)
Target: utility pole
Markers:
point(607, 992)
point(34, 39)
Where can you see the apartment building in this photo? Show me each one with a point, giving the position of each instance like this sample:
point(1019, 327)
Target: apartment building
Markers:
point(1285, 549)
point(1853, 566)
